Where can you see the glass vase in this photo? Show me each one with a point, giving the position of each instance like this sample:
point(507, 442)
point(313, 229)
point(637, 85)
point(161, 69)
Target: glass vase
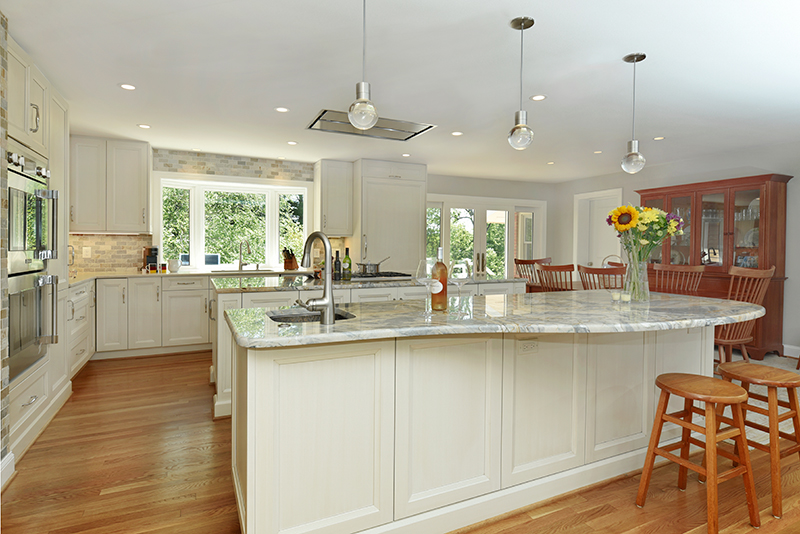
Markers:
point(636, 281)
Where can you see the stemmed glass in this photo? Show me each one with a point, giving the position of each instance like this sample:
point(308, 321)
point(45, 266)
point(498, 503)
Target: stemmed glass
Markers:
point(458, 281)
point(423, 276)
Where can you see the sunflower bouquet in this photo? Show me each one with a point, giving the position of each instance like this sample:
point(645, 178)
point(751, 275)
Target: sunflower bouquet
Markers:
point(641, 230)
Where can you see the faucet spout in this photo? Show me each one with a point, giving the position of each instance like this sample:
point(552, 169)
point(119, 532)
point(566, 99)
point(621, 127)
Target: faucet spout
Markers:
point(325, 304)
point(242, 243)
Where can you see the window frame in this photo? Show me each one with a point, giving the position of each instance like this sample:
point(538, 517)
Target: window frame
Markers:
point(197, 184)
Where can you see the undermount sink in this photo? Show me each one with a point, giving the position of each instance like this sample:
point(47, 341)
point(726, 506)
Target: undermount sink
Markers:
point(301, 315)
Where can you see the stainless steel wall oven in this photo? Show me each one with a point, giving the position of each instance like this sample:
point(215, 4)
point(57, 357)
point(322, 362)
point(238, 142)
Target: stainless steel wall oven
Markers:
point(32, 234)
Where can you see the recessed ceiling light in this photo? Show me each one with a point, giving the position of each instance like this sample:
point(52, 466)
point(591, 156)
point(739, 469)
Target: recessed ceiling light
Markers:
point(145, 126)
point(196, 150)
point(281, 157)
point(551, 162)
point(292, 143)
point(456, 134)
point(281, 110)
point(658, 138)
point(537, 98)
point(406, 155)
point(598, 151)
point(127, 86)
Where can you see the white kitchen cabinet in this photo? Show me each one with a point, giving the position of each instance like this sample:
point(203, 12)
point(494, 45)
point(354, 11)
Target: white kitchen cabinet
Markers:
point(28, 101)
point(439, 380)
point(619, 378)
point(467, 290)
point(28, 401)
point(268, 299)
point(340, 296)
point(58, 353)
point(112, 314)
point(109, 185)
point(390, 203)
point(417, 292)
point(534, 400)
point(185, 317)
point(80, 329)
point(221, 349)
point(373, 294)
point(58, 118)
point(144, 312)
point(497, 288)
point(333, 189)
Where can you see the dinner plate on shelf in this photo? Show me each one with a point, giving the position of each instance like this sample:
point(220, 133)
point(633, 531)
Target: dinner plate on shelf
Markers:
point(677, 258)
point(751, 238)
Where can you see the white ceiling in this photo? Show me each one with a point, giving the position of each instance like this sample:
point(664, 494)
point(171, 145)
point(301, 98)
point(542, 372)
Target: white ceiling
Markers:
point(719, 75)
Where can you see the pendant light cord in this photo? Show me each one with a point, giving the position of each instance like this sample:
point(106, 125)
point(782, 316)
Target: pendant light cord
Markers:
point(633, 122)
point(364, 42)
point(521, 50)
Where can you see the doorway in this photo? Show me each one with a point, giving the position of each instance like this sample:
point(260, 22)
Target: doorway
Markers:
point(593, 240)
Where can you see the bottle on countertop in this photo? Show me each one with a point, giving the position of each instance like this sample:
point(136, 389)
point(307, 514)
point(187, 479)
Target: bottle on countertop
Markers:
point(439, 287)
point(347, 270)
point(337, 267)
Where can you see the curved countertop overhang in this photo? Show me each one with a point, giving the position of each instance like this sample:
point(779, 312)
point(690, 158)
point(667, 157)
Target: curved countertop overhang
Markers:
point(561, 312)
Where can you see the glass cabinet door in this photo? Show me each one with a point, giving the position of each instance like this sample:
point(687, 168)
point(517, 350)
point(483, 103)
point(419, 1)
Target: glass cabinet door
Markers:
point(712, 236)
point(746, 215)
point(680, 246)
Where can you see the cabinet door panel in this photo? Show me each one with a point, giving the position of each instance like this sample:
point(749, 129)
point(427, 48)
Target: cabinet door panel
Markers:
point(269, 299)
point(185, 317)
point(59, 171)
point(336, 197)
point(448, 419)
point(17, 93)
point(87, 185)
point(38, 104)
point(127, 178)
point(112, 314)
point(144, 313)
point(373, 294)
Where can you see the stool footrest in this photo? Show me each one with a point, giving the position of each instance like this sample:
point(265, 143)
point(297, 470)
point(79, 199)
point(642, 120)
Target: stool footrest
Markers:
point(765, 429)
point(680, 461)
point(676, 419)
point(764, 398)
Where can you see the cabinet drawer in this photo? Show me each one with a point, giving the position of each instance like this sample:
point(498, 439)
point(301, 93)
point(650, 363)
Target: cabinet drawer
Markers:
point(79, 354)
point(173, 283)
point(78, 316)
point(77, 293)
point(27, 399)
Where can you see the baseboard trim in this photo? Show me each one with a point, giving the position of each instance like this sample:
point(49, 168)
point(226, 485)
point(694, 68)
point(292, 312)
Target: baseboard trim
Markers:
point(7, 467)
point(791, 350)
point(156, 351)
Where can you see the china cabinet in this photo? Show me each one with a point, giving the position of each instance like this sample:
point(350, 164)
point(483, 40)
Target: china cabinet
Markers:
point(737, 222)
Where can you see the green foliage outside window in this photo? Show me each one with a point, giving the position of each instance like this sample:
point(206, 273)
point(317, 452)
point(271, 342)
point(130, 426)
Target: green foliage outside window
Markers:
point(231, 218)
point(291, 224)
point(175, 223)
point(433, 232)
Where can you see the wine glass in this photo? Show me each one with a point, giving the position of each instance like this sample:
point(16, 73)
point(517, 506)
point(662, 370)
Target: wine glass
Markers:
point(423, 276)
point(458, 281)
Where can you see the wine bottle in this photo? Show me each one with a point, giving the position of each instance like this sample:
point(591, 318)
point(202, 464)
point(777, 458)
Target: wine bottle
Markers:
point(347, 270)
point(439, 287)
point(337, 267)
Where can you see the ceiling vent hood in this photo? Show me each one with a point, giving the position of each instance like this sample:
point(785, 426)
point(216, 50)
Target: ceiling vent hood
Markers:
point(329, 120)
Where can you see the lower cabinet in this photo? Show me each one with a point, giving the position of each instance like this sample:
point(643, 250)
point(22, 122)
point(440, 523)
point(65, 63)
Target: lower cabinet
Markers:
point(374, 294)
point(267, 299)
point(80, 326)
point(144, 312)
point(185, 316)
point(112, 314)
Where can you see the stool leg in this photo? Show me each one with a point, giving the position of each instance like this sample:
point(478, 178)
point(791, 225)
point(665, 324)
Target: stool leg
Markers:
point(744, 353)
point(711, 469)
point(793, 405)
point(650, 458)
point(774, 452)
point(744, 458)
point(685, 434)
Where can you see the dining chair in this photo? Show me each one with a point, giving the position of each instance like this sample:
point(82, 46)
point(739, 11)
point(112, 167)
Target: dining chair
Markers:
point(555, 277)
point(747, 285)
point(602, 277)
point(525, 269)
point(682, 279)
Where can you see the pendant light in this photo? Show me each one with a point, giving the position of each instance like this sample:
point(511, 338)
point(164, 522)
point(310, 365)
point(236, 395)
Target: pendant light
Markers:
point(362, 113)
point(520, 136)
point(633, 162)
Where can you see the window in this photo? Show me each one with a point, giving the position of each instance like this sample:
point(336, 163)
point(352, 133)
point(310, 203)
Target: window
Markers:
point(206, 222)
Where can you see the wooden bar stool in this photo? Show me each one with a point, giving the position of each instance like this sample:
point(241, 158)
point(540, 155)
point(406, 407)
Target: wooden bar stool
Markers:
point(711, 391)
point(772, 379)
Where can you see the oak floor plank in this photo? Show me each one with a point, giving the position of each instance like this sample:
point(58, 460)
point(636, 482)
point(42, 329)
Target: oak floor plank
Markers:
point(134, 450)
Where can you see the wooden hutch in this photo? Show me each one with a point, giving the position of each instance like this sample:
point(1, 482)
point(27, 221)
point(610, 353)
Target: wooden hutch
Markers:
point(736, 222)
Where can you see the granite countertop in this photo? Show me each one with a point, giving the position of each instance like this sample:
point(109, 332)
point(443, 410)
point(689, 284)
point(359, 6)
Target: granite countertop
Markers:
point(559, 312)
point(246, 284)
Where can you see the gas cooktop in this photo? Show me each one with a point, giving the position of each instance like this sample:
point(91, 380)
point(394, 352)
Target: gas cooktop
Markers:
point(380, 275)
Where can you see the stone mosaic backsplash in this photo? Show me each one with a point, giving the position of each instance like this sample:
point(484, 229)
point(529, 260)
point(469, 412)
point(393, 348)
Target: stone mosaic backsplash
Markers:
point(226, 165)
point(109, 253)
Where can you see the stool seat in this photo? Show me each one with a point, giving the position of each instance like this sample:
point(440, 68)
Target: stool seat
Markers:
point(701, 388)
point(759, 374)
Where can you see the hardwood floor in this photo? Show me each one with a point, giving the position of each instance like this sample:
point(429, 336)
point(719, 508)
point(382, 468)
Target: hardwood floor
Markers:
point(134, 450)
point(608, 507)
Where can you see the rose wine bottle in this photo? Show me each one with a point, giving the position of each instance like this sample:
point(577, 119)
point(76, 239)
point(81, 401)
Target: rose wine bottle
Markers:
point(439, 287)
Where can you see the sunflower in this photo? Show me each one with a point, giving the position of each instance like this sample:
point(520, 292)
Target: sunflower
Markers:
point(624, 218)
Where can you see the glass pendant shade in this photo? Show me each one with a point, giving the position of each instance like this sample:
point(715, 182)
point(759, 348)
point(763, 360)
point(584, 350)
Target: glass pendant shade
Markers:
point(362, 113)
point(520, 136)
point(633, 162)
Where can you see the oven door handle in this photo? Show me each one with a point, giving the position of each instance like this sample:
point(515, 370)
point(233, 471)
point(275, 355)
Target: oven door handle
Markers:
point(51, 280)
point(52, 195)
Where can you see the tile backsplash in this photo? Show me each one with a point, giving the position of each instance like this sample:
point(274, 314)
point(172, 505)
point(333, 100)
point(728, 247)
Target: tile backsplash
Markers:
point(181, 161)
point(109, 253)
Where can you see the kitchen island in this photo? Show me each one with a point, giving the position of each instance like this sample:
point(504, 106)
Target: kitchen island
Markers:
point(390, 422)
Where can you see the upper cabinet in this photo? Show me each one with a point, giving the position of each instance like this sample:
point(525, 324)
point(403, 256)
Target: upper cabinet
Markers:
point(389, 214)
point(28, 99)
point(333, 187)
point(109, 185)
